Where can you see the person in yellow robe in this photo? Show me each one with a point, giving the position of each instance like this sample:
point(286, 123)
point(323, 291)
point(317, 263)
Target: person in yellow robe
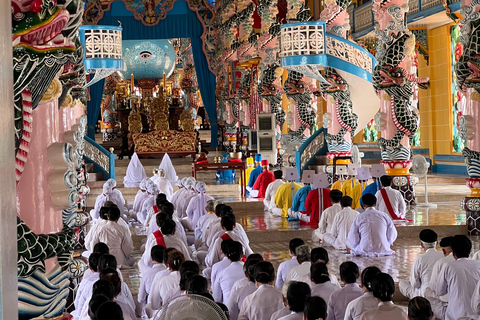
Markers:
point(284, 198)
point(349, 185)
point(248, 170)
point(363, 175)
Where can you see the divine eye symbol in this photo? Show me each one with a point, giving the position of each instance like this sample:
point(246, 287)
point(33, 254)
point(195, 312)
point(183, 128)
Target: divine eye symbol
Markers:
point(145, 55)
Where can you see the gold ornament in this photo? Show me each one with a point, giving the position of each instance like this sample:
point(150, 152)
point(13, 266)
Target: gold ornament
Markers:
point(187, 121)
point(68, 102)
point(53, 92)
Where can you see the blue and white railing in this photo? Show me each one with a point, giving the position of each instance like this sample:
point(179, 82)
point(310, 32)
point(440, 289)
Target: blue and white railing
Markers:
point(312, 147)
point(103, 160)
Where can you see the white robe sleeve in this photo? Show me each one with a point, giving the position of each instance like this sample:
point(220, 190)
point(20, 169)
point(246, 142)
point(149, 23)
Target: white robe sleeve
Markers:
point(95, 213)
point(127, 245)
point(476, 299)
point(391, 230)
point(354, 234)
point(441, 287)
point(415, 276)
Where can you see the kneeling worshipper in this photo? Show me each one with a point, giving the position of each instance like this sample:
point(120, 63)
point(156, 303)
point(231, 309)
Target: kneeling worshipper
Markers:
point(422, 267)
point(378, 170)
point(116, 237)
point(298, 202)
point(248, 170)
point(225, 175)
point(196, 207)
point(363, 174)
point(263, 180)
point(341, 225)
point(183, 202)
point(141, 195)
point(372, 232)
point(135, 173)
point(366, 301)
point(269, 201)
point(316, 202)
point(109, 194)
point(350, 184)
point(158, 255)
point(328, 215)
point(167, 167)
point(390, 200)
point(164, 185)
point(285, 193)
point(148, 203)
point(254, 175)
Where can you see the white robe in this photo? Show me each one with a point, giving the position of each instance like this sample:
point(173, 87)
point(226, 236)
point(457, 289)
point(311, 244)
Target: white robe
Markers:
point(217, 267)
point(179, 230)
point(420, 274)
point(138, 202)
point(203, 221)
point(261, 304)
point(237, 295)
point(326, 220)
point(272, 188)
point(372, 233)
point(196, 207)
point(183, 202)
point(458, 279)
point(283, 269)
point(340, 227)
point(302, 273)
point(385, 311)
point(177, 197)
point(118, 240)
point(135, 173)
point(116, 197)
point(165, 186)
point(146, 282)
point(161, 289)
point(340, 299)
point(147, 205)
point(84, 293)
point(324, 290)
point(155, 284)
point(396, 200)
point(358, 306)
point(169, 169)
point(225, 280)
point(214, 252)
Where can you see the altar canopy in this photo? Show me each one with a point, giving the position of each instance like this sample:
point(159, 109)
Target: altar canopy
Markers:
point(181, 22)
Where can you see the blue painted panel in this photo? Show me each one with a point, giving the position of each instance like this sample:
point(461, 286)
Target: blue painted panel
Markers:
point(442, 168)
point(449, 157)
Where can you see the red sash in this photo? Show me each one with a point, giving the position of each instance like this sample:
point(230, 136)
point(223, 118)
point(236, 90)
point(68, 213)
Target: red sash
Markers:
point(159, 237)
point(389, 205)
point(155, 209)
point(227, 237)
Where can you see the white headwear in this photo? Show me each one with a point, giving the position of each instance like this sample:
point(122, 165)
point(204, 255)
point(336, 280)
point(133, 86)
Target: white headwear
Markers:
point(168, 168)
point(143, 184)
point(189, 183)
point(135, 173)
point(181, 182)
point(152, 188)
point(108, 188)
point(200, 186)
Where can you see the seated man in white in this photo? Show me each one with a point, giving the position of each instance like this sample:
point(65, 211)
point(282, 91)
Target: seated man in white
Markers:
point(163, 183)
point(372, 232)
point(422, 267)
point(341, 225)
point(390, 200)
point(109, 194)
point(302, 271)
point(269, 200)
point(326, 219)
point(148, 203)
point(196, 207)
point(366, 301)
point(285, 266)
point(139, 198)
point(321, 284)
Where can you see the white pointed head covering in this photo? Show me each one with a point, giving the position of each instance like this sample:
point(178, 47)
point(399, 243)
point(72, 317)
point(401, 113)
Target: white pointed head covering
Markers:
point(135, 173)
point(200, 186)
point(143, 184)
point(190, 183)
point(168, 168)
point(108, 188)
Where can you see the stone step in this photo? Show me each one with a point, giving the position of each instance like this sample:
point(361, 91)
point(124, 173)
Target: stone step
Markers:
point(90, 167)
point(95, 176)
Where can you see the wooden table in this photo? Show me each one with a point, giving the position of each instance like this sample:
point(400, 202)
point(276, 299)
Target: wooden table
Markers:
point(222, 167)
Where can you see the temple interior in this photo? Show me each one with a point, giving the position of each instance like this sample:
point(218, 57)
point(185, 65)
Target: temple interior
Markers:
point(161, 149)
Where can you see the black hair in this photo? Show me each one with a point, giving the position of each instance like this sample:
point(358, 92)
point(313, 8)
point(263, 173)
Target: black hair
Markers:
point(101, 248)
point(107, 261)
point(161, 197)
point(264, 272)
point(189, 266)
point(103, 212)
point(196, 285)
point(224, 246)
point(315, 308)
point(446, 242)
point(113, 213)
point(93, 261)
point(110, 311)
point(319, 254)
point(319, 273)
point(158, 253)
point(219, 209)
point(297, 293)
point(278, 174)
point(294, 244)
point(346, 201)
point(461, 246)
point(184, 277)
point(228, 222)
point(161, 217)
point(369, 199)
point(336, 195)
point(383, 287)
point(112, 276)
point(95, 302)
point(367, 276)
point(104, 287)
point(174, 259)
point(349, 272)
point(168, 227)
point(386, 181)
point(235, 251)
point(249, 266)
point(227, 210)
point(419, 308)
point(167, 207)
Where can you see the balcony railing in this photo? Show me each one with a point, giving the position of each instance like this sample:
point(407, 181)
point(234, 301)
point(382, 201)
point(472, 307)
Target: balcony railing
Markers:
point(104, 161)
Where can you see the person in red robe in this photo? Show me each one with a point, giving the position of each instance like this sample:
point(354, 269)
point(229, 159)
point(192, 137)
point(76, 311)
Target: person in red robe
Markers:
point(263, 180)
point(312, 208)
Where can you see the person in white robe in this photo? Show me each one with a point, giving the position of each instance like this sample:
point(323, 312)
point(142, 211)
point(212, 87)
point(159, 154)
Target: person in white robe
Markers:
point(116, 238)
point(321, 284)
point(422, 266)
point(202, 221)
point(367, 301)
point(148, 203)
point(285, 266)
point(439, 304)
point(228, 276)
point(163, 184)
point(196, 207)
point(167, 166)
point(341, 225)
point(109, 194)
point(141, 195)
point(135, 173)
point(266, 300)
point(157, 254)
point(372, 232)
point(383, 288)
point(297, 293)
point(182, 203)
point(269, 200)
point(394, 196)
point(339, 300)
point(459, 279)
point(85, 286)
point(326, 220)
point(285, 311)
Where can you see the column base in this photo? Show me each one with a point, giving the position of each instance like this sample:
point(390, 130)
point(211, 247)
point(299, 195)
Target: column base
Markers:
point(471, 205)
point(406, 185)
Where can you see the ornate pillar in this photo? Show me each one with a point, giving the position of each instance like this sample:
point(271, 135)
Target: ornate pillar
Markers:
point(468, 76)
point(395, 81)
